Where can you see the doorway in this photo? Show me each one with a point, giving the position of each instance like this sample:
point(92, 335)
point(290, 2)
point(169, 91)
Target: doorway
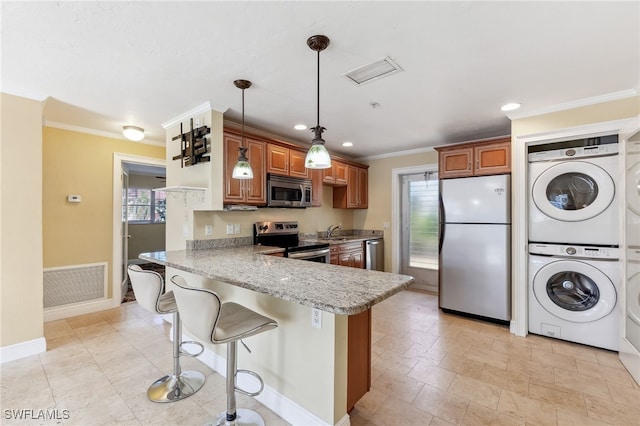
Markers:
point(138, 218)
point(418, 228)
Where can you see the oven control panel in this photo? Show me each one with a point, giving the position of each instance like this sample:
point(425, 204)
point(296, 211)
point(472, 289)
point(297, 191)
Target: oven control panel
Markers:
point(262, 228)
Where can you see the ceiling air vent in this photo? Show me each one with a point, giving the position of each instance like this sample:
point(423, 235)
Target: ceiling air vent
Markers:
point(377, 69)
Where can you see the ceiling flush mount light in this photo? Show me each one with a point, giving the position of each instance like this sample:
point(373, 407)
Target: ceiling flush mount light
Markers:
point(242, 169)
point(347, 144)
point(318, 156)
point(300, 127)
point(133, 133)
point(510, 106)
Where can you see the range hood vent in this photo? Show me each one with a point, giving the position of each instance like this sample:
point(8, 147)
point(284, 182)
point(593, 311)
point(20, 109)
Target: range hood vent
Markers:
point(381, 68)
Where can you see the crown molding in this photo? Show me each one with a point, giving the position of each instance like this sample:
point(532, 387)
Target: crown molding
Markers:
point(623, 94)
point(396, 154)
point(102, 133)
point(205, 107)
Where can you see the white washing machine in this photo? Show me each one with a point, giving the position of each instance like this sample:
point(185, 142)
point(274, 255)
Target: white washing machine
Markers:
point(573, 293)
point(572, 192)
point(632, 319)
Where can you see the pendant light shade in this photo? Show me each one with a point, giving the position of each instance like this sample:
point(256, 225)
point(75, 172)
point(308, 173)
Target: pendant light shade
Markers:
point(242, 169)
point(318, 156)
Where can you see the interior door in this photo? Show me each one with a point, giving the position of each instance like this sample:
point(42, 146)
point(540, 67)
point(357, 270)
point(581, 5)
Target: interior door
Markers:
point(630, 337)
point(419, 237)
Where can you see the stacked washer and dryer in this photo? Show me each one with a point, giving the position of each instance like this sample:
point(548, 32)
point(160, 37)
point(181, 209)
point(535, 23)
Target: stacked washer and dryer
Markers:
point(574, 271)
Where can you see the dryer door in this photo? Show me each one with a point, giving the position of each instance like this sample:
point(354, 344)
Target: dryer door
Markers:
point(574, 291)
point(633, 297)
point(573, 191)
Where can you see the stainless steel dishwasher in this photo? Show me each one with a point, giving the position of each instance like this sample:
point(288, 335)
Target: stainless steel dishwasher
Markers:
point(374, 254)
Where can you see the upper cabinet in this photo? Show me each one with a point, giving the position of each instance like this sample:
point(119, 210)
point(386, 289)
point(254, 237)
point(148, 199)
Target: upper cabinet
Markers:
point(286, 161)
point(355, 195)
point(244, 191)
point(336, 175)
point(489, 157)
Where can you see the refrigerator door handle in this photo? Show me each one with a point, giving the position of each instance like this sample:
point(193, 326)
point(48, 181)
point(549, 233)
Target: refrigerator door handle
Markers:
point(441, 221)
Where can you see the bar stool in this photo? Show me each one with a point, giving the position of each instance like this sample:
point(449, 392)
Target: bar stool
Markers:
point(148, 287)
point(212, 321)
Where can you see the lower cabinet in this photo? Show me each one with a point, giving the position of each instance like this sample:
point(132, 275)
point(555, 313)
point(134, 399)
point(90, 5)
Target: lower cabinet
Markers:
point(359, 329)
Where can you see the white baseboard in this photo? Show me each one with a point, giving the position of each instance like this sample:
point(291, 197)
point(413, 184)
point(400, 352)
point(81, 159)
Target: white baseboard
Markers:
point(81, 308)
point(289, 410)
point(22, 350)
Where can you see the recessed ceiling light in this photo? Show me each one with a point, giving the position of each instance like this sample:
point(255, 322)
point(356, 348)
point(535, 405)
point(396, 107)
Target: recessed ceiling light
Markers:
point(510, 106)
point(300, 127)
point(347, 144)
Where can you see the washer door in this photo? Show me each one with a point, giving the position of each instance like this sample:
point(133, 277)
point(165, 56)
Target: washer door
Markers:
point(574, 291)
point(573, 191)
point(633, 298)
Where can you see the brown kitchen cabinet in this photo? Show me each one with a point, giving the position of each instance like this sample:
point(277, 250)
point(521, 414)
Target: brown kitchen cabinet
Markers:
point(316, 188)
point(489, 157)
point(244, 191)
point(286, 161)
point(336, 174)
point(355, 195)
point(359, 329)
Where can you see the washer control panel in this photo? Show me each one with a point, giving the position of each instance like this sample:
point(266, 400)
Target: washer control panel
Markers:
point(566, 250)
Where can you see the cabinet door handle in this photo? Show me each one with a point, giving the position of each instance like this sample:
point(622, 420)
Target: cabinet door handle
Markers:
point(469, 167)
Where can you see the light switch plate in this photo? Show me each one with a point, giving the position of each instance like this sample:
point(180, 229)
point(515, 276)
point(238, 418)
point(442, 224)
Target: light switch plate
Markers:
point(236, 228)
point(229, 229)
point(208, 230)
point(316, 318)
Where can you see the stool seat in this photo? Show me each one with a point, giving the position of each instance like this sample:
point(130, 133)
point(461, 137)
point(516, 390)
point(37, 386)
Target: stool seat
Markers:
point(148, 287)
point(215, 322)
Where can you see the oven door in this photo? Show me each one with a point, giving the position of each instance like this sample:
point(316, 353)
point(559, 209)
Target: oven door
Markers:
point(316, 255)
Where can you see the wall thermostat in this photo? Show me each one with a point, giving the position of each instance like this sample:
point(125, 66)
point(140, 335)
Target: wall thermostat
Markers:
point(74, 198)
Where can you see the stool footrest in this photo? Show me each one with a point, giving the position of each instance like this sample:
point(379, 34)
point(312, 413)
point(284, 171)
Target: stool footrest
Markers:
point(254, 374)
point(191, 342)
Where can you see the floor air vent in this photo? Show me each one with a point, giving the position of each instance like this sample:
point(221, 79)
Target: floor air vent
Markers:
point(381, 68)
point(74, 284)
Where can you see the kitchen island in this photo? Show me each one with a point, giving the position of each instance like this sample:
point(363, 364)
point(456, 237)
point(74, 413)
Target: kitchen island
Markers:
point(304, 367)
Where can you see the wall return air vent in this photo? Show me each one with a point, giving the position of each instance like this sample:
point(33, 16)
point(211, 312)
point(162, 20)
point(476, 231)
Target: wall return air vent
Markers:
point(377, 69)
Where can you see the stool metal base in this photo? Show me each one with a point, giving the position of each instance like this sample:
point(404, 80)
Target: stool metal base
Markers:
point(244, 417)
point(173, 388)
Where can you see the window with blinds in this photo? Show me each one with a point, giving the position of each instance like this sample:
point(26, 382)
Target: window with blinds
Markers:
point(422, 223)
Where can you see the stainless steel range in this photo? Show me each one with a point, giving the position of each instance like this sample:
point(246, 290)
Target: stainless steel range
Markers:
point(285, 234)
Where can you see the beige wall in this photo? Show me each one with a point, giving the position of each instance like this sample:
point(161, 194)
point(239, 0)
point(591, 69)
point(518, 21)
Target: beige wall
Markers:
point(81, 163)
point(21, 307)
point(380, 203)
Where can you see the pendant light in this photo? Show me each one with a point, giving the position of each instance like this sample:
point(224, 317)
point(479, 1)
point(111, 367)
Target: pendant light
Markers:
point(242, 169)
point(318, 156)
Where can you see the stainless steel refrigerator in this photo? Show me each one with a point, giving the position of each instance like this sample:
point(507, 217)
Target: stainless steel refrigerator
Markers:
point(475, 246)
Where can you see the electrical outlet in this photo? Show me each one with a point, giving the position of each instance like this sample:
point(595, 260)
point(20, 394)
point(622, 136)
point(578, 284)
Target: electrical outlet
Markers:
point(236, 228)
point(229, 229)
point(316, 318)
point(208, 230)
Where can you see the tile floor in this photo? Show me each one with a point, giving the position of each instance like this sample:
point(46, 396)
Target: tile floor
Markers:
point(429, 368)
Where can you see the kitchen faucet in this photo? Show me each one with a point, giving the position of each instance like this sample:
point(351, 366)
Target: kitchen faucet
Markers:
point(332, 229)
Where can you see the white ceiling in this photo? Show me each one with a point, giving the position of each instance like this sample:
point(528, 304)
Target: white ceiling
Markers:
point(108, 64)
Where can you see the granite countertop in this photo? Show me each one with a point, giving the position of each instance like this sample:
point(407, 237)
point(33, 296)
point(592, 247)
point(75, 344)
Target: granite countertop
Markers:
point(331, 288)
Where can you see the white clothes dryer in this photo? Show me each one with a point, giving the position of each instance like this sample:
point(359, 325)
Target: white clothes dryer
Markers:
point(573, 293)
point(573, 194)
point(632, 320)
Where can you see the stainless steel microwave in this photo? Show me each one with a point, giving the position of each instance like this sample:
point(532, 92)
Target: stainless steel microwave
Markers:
point(283, 191)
